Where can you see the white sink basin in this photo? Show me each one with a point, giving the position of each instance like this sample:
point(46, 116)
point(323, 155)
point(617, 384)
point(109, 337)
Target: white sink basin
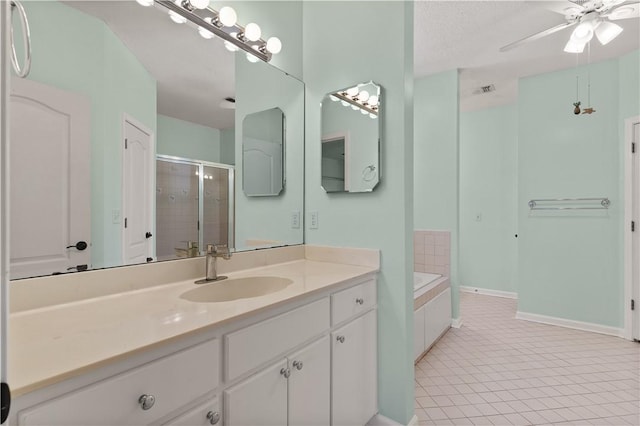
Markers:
point(236, 288)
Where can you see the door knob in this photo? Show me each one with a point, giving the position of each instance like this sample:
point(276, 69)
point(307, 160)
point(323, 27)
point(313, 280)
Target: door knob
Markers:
point(80, 245)
point(148, 235)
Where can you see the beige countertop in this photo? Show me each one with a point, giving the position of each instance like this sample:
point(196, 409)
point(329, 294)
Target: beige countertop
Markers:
point(51, 344)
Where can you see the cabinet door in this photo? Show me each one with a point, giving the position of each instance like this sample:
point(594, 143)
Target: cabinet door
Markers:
point(418, 332)
point(203, 415)
point(259, 400)
point(354, 372)
point(309, 391)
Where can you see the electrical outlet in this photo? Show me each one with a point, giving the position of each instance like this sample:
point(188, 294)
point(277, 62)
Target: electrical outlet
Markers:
point(478, 217)
point(115, 216)
point(314, 220)
point(295, 220)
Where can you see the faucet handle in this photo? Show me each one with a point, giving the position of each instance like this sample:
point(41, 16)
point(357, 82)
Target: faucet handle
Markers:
point(226, 253)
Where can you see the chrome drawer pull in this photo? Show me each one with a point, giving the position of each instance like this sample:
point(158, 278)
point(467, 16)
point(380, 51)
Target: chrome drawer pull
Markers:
point(340, 339)
point(298, 364)
point(285, 372)
point(146, 401)
point(360, 301)
point(213, 417)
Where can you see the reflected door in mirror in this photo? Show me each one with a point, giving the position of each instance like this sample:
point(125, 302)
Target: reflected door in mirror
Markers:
point(49, 182)
point(262, 153)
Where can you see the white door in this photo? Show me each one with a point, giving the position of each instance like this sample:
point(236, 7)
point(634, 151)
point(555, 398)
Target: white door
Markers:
point(354, 372)
point(50, 183)
point(635, 238)
point(138, 182)
point(309, 386)
point(262, 167)
point(259, 400)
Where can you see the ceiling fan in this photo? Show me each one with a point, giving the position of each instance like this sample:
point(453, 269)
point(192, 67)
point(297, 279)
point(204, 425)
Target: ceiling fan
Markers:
point(590, 17)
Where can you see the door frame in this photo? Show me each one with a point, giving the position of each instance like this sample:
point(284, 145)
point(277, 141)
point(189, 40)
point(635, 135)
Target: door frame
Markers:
point(628, 217)
point(126, 118)
point(335, 136)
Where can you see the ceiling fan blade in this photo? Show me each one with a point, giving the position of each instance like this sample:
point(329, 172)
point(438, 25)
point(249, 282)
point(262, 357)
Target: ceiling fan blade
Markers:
point(537, 36)
point(609, 4)
point(624, 11)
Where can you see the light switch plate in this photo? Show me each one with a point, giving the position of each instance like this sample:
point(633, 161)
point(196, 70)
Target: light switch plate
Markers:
point(295, 220)
point(314, 220)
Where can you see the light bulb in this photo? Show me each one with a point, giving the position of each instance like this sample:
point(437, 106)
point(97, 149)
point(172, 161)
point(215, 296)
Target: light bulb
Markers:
point(274, 45)
point(364, 111)
point(574, 47)
point(252, 58)
point(252, 32)
point(334, 98)
point(583, 33)
point(344, 103)
point(373, 100)
point(355, 107)
point(178, 19)
point(145, 2)
point(607, 31)
point(230, 46)
point(228, 16)
point(373, 116)
point(199, 4)
point(352, 91)
point(363, 96)
point(205, 33)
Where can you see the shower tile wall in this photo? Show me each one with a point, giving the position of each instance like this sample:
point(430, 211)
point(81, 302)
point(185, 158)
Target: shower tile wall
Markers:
point(177, 207)
point(432, 252)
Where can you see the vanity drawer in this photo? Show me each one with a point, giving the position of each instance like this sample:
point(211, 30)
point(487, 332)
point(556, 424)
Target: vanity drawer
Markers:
point(255, 345)
point(352, 301)
point(173, 381)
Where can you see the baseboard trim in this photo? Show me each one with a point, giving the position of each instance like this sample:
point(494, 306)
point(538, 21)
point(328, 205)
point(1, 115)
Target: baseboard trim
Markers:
point(567, 323)
point(456, 322)
point(380, 420)
point(489, 292)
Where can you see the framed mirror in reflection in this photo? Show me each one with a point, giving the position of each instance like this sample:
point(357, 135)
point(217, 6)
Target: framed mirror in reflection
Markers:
point(124, 139)
point(350, 139)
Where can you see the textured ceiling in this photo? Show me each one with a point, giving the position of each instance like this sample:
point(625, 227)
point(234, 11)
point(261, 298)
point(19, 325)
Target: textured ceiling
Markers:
point(467, 35)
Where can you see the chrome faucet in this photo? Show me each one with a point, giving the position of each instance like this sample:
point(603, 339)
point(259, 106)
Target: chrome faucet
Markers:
point(213, 253)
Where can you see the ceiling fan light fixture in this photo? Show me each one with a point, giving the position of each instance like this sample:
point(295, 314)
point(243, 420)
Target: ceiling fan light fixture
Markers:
point(583, 33)
point(574, 47)
point(607, 31)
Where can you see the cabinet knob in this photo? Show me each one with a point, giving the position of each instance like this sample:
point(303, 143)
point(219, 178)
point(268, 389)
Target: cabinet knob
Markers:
point(285, 372)
point(360, 301)
point(146, 401)
point(213, 417)
point(340, 339)
point(298, 364)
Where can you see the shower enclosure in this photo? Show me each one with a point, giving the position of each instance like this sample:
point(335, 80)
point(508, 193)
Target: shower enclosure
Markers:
point(194, 206)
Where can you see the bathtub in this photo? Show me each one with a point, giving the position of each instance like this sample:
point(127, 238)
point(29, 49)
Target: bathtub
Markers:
point(432, 310)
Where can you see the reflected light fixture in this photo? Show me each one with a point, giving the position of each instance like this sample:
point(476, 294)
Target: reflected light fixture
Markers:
point(358, 100)
point(223, 24)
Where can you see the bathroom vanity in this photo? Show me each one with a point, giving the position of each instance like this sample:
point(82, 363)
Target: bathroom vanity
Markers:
point(306, 353)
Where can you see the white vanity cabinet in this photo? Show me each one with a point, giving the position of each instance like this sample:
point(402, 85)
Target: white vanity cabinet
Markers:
point(139, 396)
point(354, 355)
point(293, 391)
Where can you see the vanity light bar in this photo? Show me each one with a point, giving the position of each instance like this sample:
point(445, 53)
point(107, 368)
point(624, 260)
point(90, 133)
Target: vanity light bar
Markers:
point(235, 35)
point(353, 100)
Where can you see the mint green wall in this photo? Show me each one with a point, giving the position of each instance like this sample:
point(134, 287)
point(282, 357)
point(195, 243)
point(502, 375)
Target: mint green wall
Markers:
point(259, 87)
point(488, 187)
point(228, 146)
point(79, 53)
point(188, 140)
point(382, 219)
point(570, 262)
point(435, 161)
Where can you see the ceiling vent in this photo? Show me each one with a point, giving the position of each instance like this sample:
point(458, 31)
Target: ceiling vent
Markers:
point(484, 89)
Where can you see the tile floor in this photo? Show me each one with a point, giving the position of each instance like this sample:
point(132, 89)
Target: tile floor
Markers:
point(497, 370)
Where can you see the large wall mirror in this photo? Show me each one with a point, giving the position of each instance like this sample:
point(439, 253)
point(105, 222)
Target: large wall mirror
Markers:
point(351, 138)
point(126, 142)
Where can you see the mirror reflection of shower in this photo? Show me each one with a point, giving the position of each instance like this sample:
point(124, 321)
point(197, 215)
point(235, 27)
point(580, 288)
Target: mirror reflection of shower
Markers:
point(194, 206)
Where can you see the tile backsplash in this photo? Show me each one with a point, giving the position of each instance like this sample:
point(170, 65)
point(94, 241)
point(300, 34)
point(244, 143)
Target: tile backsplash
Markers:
point(432, 252)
